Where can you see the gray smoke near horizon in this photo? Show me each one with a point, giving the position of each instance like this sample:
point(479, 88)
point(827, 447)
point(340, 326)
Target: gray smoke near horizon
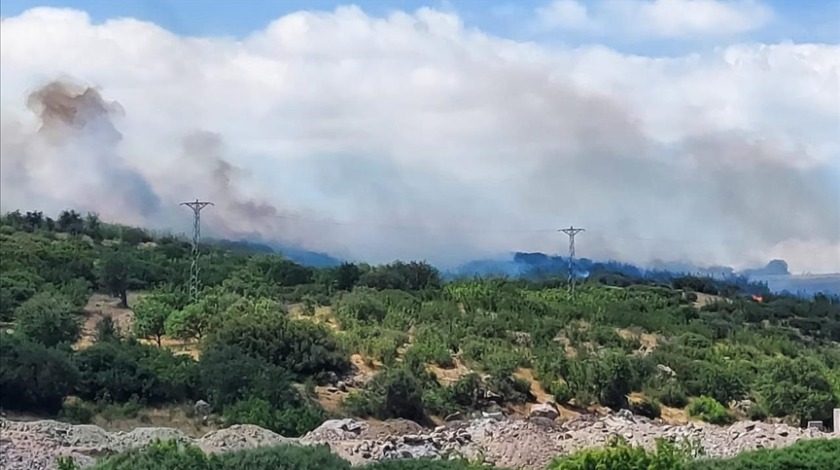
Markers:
point(443, 145)
point(766, 202)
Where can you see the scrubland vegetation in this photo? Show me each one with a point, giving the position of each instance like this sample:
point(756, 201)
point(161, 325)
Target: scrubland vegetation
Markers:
point(268, 331)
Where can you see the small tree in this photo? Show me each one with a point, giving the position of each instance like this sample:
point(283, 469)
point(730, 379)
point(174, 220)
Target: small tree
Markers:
point(115, 274)
point(150, 315)
point(71, 222)
point(48, 319)
point(190, 322)
point(106, 330)
point(798, 387)
point(93, 226)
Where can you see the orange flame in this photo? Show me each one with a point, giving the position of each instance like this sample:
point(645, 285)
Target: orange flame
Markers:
point(758, 298)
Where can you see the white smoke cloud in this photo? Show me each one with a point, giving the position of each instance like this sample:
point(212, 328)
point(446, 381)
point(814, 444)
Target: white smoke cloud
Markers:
point(412, 136)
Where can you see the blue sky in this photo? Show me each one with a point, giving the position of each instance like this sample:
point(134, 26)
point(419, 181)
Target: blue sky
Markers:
point(794, 20)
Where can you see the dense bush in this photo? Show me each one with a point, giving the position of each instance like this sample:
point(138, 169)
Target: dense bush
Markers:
point(394, 393)
point(621, 456)
point(228, 375)
point(290, 420)
point(120, 371)
point(804, 455)
point(798, 387)
point(709, 409)
point(646, 407)
point(34, 377)
point(672, 394)
point(49, 319)
point(76, 412)
point(261, 330)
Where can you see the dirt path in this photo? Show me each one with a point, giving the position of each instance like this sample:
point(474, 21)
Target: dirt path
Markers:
point(100, 306)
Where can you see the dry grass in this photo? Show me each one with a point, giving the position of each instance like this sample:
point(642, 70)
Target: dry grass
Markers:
point(669, 415)
point(537, 390)
point(366, 368)
point(321, 314)
point(706, 299)
point(448, 376)
point(329, 401)
point(100, 306)
point(674, 415)
point(647, 341)
point(567, 344)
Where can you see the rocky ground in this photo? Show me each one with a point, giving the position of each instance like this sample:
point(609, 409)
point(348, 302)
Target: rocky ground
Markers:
point(527, 444)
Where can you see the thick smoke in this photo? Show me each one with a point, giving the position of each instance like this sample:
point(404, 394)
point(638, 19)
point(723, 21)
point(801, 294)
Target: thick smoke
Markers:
point(233, 214)
point(411, 137)
point(76, 147)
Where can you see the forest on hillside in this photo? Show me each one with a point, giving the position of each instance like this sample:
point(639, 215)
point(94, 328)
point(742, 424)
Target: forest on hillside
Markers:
point(271, 332)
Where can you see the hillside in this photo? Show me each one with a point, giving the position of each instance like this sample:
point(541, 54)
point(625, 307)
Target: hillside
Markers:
point(284, 346)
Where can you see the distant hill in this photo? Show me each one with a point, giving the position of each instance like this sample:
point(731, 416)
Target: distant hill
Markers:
point(298, 255)
point(540, 265)
point(802, 284)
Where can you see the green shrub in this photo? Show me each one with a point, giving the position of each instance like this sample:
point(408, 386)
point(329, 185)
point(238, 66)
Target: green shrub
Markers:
point(228, 376)
point(171, 455)
point(721, 382)
point(646, 407)
point(757, 412)
point(798, 387)
point(621, 456)
point(466, 394)
point(431, 347)
point(65, 462)
point(118, 371)
point(608, 377)
point(817, 454)
point(76, 412)
point(34, 377)
point(283, 457)
point(168, 455)
point(425, 464)
point(561, 391)
point(119, 411)
point(289, 421)
point(49, 319)
point(393, 393)
point(360, 306)
point(672, 394)
point(261, 330)
point(710, 410)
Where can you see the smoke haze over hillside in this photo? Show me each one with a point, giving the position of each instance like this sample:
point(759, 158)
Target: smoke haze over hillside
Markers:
point(412, 136)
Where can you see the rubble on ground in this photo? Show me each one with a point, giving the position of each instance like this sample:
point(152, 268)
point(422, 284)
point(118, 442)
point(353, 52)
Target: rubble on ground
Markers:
point(529, 444)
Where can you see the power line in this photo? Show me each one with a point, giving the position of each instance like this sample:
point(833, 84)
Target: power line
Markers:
point(196, 207)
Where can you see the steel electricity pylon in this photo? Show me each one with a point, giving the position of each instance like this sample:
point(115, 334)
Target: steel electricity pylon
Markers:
point(196, 206)
point(571, 232)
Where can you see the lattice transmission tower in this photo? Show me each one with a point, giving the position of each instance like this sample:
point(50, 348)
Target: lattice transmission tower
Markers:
point(571, 232)
point(196, 206)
